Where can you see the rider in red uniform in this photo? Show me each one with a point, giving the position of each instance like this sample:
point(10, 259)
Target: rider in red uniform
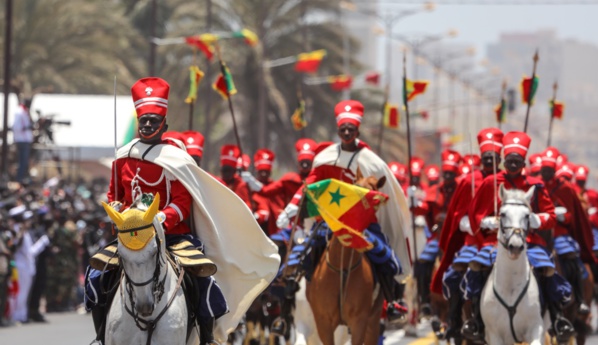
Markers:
point(229, 157)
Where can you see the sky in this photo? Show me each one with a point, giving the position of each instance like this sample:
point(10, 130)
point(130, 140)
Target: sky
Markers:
point(482, 24)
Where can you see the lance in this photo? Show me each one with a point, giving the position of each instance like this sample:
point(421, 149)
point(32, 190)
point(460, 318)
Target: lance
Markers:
point(115, 146)
point(230, 101)
point(406, 104)
point(555, 86)
point(502, 104)
point(530, 95)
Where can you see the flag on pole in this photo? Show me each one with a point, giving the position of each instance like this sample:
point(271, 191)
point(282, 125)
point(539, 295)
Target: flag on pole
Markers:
point(372, 78)
point(556, 109)
point(347, 209)
point(414, 88)
point(529, 86)
point(421, 114)
point(195, 76)
point(309, 62)
point(203, 44)
point(501, 111)
point(298, 117)
point(392, 117)
point(250, 37)
point(224, 84)
point(340, 82)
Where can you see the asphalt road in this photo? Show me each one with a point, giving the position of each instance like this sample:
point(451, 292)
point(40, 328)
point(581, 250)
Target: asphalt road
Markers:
point(77, 329)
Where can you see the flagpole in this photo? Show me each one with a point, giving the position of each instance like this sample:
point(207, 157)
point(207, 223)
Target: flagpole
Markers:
point(529, 98)
point(502, 104)
point(555, 86)
point(230, 102)
point(406, 104)
point(115, 146)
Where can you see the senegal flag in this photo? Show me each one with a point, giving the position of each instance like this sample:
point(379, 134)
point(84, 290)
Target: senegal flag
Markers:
point(501, 111)
point(413, 88)
point(195, 75)
point(298, 117)
point(224, 84)
point(309, 62)
point(556, 109)
point(391, 115)
point(347, 209)
point(528, 87)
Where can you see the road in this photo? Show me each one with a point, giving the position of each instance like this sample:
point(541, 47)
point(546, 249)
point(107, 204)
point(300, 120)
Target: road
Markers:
point(77, 329)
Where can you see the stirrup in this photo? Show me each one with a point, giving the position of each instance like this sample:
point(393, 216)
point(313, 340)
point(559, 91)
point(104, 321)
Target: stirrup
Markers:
point(96, 342)
point(476, 334)
point(279, 326)
point(563, 329)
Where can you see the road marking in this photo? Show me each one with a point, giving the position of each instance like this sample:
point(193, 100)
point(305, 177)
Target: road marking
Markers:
point(429, 339)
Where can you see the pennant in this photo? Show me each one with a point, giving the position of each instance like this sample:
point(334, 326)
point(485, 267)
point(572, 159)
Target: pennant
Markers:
point(309, 62)
point(528, 87)
point(224, 84)
point(347, 209)
point(340, 82)
point(298, 117)
point(392, 116)
point(556, 109)
point(205, 47)
point(250, 37)
point(413, 88)
point(195, 76)
point(423, 114)
point(501, 111)
point(372, 78)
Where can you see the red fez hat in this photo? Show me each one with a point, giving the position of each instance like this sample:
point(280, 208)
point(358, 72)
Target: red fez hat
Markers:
point(516, 142)
point(472, 160)
point(306, 149)
point(490, 139)
point(432, 172)
point(535, 163)
point(417, 165)
point(194, 142)
point(348, 111)
point(243, 162)
point(464, 169)
point(561, 159)
point(322, 145)
point(263, 159)
point(549, 157)
point(229, 155)
point(582, 172)
point(150, 96)
point(450, 160)
point(567, 171)
point(399, 170)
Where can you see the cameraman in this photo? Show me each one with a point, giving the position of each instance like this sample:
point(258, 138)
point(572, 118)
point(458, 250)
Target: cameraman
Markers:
point(23, 137)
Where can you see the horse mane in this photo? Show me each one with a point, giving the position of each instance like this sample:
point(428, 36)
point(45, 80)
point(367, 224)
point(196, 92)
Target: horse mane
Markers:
point(516, 195)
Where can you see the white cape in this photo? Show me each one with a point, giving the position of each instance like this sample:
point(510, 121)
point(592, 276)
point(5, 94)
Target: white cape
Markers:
point(394, 217)
point(246, 258)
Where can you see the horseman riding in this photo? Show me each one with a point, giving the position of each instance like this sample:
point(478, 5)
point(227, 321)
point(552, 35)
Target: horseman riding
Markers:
point(237, 253)
point(342, 161)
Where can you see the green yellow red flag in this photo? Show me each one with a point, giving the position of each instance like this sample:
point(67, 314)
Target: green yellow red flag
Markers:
point(203, 43)
point(340, 82)
point(250, 37)
point(557, 109)
point(501, 111)
point(347, 209)
point(195, 76)
point(224, 84)
point(298, 117)
point(528, 87)
point(392, 116)
point(414, 88)
point(309, 62)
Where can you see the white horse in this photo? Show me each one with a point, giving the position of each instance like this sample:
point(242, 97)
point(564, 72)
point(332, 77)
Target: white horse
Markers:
point(149, 306)
point(510, 301)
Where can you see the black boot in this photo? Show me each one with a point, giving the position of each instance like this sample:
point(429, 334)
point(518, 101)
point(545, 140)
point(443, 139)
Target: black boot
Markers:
point(424, 277)
point(98, 314)
point(455, 321)
point(473, 329)
point(562, 328)
point(395, 311)
point(206, 332)
point(577, 283)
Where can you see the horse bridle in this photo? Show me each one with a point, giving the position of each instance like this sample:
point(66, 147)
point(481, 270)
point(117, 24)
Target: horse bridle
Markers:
point(522, 233)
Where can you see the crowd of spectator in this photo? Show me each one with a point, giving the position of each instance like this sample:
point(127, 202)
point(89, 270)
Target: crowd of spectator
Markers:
point(48, 231)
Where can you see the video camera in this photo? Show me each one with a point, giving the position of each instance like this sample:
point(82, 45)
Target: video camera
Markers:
point(43, 126)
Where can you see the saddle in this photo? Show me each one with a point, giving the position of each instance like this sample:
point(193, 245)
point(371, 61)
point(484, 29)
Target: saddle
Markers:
point(185, 253)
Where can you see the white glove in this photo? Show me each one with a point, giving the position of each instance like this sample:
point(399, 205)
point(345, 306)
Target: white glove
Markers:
point(161, 217)
point(117, 205)
point(534, 221)
point(420, 221)
point(490, 223)
point(592, 210)
point(299, 236)
point(560, 212)
point(414, 200)
point(251, 181)
point(411, 191)
point(284, 218)
point(465, 226)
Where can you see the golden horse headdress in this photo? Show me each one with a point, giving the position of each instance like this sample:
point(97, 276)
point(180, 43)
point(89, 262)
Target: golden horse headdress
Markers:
point(135, 227)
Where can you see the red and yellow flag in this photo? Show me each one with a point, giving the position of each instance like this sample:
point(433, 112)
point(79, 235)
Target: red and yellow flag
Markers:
point(250, 37)
point(309, 62)
point(195, 76)
point(413, 88)
point(340, 82)
point(224, 84)
point(392, 117)
point(347, 209)
point(203, 43)
point(556, 109)
point(528, 87)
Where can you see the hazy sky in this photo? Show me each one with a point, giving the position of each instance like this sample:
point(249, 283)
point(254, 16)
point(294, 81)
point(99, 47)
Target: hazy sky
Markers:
point(482, 24)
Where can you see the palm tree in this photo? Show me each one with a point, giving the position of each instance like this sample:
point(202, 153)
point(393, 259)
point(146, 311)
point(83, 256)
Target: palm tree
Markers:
point(73, 46)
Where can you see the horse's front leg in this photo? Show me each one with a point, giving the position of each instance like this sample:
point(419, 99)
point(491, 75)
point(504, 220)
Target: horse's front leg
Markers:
point(494, 339)
point(536, 335)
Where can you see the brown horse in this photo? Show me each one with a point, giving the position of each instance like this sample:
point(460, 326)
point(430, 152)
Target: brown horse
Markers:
point(343, 290)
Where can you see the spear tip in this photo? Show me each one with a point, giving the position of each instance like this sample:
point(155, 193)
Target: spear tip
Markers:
point(536, 56)
point(555, 85)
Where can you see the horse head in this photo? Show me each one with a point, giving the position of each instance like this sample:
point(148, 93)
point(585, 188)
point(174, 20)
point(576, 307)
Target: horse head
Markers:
point(141, 257)
point(514, 219)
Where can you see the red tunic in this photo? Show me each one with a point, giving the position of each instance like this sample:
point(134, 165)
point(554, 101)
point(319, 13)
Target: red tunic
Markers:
point(239, 187)
point(435, 205)
point(483, 206)
point(576, 223)
point(589, 199)
point(175, 200)
point(277, 194)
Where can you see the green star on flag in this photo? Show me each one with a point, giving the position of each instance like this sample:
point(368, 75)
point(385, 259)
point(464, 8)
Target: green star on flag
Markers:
point(336, 196)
